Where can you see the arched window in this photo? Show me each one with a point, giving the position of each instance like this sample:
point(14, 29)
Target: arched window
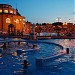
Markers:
point(0, 10)
point(17, 21)
point(11, 11)
point(8, 20)
point(5, 11)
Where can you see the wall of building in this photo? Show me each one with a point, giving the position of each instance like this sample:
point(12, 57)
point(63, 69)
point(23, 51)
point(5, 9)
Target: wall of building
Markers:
point(8, 16)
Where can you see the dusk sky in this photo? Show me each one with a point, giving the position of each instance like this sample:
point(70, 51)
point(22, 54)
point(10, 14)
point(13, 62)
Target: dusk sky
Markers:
point(44, 10)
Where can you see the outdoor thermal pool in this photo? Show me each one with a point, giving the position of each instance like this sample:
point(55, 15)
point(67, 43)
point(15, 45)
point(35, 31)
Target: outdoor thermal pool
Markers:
point(64, 65)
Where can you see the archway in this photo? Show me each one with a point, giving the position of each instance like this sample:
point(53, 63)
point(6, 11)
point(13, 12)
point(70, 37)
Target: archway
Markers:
point(11, 29)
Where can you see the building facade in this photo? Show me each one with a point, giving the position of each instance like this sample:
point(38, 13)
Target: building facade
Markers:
point(28, 28)
point(11, 22)
point(65, 29)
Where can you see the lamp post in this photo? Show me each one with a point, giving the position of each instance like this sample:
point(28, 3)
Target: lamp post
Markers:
point(35, 34)
point(69, 20)
point(58, 19)
point(33, 28)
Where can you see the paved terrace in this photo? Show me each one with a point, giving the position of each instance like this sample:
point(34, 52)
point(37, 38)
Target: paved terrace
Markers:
point(56, 37)
point(39, 37)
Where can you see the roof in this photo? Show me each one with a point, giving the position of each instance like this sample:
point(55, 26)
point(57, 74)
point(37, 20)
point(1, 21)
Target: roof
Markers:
point(57, 23)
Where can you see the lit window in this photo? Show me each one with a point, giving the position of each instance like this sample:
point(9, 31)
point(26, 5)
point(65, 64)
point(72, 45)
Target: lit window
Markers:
point(14, 12)
point(8, 20)
point(23, 19)
point(17, 21)
point(23, 23)
point(11, 11)
point(0, 11)
point(5, 11)
point(20, 19)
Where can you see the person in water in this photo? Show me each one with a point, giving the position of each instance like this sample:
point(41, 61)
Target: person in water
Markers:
point(26, 63)
point(34, 45)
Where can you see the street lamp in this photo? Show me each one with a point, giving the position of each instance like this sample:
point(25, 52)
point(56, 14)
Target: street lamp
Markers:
point(33, 28)
point(69, 20)
point(58, 19)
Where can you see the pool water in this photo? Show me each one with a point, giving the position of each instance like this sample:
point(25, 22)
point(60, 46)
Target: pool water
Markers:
point(64, 65)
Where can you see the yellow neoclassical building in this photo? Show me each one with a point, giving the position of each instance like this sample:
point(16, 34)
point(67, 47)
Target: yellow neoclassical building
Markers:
point(11, 21)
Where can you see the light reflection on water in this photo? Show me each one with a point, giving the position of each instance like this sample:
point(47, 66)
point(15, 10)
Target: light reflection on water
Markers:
point(66, 43)
point(49, 49)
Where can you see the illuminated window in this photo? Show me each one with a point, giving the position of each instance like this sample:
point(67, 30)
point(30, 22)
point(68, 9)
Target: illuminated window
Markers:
point(8, 20)
point(17, 21)
point(0, 11)
point(5, 11)
point(23, 19)
point(23, 23)
point(20, 19)
point(11, 11)
point(14, 11)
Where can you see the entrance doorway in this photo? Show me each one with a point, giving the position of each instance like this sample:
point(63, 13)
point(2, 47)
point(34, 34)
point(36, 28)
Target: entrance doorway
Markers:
point(11, 29)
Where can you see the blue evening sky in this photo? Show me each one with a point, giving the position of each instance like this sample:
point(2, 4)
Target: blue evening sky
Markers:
point(44, 10)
